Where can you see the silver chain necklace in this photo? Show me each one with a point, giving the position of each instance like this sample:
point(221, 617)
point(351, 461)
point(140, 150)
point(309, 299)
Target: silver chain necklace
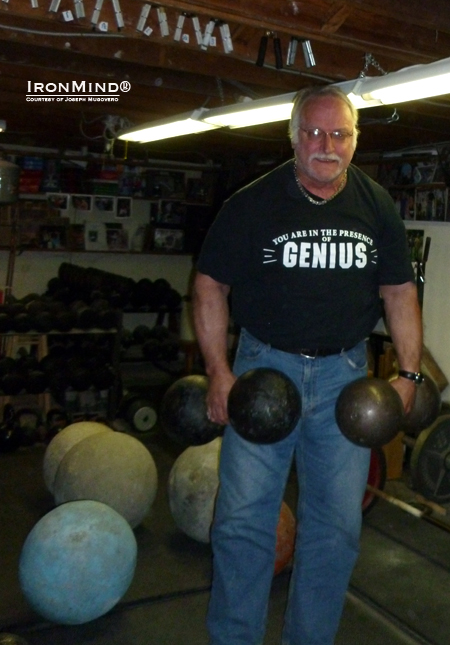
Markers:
point(317, 202)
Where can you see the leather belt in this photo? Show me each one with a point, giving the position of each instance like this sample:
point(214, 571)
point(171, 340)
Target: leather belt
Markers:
point(313, 353)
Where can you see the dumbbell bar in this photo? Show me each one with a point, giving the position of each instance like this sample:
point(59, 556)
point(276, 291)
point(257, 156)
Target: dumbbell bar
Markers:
point(424, 514)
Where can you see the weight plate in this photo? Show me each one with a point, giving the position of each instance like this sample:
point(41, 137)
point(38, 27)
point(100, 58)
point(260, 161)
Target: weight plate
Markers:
point(430, 461)
point(376, 478)
point(142, 416)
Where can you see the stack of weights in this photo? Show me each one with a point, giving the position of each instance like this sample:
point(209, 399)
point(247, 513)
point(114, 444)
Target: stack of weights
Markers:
point(121, 292)
point(82, 299)
point(79, 362)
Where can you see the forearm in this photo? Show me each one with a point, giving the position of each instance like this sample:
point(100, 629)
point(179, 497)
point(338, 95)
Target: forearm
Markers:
point(404, 320)
point(211, 319)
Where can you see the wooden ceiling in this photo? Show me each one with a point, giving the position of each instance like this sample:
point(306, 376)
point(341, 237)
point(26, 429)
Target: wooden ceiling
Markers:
point(43, 41)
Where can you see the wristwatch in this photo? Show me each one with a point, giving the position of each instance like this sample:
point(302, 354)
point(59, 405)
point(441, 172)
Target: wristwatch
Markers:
point(417, 377)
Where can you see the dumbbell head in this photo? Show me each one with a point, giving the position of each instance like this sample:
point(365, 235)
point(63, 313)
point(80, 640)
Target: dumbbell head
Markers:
point(183, 412)
point(369, 412)
point(264, 405)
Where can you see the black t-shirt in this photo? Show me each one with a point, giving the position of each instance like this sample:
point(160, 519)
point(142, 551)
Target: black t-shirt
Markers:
point(306, 275)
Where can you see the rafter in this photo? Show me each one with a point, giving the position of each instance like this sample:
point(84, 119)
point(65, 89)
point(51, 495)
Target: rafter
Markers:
point(169, 76)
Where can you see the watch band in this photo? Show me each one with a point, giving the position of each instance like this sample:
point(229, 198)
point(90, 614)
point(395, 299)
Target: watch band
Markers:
point(417, 377)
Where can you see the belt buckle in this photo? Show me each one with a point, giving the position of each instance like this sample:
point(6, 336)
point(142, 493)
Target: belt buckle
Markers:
point(310, 356)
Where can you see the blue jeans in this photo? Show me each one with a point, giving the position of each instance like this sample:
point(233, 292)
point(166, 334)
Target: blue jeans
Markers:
point(332, 475)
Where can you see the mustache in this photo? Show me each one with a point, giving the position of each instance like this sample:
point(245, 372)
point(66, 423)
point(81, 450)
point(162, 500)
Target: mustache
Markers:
point(332, 156)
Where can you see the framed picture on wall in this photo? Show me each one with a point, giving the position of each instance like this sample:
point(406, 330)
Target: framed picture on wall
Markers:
point(123, 207)
point(104, 203)
point(95, 236)
point(116, 237)
point(82, 203)
point(169, 239)
point(58, 200)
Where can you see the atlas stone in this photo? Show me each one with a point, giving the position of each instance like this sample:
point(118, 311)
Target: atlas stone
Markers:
point(62, 442)
point(113, 468)
point(77, 562)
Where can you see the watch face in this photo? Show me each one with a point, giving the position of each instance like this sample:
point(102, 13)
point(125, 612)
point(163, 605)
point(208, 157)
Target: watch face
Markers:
point(419, 378)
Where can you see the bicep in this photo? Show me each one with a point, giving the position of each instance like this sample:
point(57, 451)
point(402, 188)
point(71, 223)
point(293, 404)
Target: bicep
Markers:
point(391, 293)
point(206, 287)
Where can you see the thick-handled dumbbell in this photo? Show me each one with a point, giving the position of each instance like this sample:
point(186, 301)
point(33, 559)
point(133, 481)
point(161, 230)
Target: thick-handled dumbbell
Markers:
point(370, 413)
point(264, 406)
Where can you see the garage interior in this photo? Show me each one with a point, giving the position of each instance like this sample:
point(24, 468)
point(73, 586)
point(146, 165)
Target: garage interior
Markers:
point(398, 590)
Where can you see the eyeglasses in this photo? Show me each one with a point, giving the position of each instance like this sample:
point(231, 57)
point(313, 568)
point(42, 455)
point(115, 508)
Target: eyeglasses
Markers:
point(316, 134)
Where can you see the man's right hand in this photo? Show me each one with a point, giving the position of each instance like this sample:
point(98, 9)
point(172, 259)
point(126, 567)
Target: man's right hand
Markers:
point(217, 397)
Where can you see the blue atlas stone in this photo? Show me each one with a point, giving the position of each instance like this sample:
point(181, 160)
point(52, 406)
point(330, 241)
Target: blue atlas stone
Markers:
point(77, 562)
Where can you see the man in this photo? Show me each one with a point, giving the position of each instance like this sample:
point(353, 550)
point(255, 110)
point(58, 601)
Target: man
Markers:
point(306, 252)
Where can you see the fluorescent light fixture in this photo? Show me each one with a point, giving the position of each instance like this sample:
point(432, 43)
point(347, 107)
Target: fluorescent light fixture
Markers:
point(408, 84)
point(176, 126)
point(241, 115)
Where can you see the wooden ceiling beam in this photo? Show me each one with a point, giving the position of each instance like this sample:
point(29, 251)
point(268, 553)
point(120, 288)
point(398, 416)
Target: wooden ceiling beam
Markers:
point(336, 20)
point(148, 55)
point(19, 62)
point(307, 23)
point(256, 12)
point(305, 20)
point(145, 61)
point(433, 16)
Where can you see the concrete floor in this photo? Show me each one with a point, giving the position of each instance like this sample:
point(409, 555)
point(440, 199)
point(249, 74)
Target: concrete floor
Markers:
point(399, 592)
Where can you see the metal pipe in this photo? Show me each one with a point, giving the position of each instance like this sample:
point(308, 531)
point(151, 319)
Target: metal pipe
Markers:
point(412, 510)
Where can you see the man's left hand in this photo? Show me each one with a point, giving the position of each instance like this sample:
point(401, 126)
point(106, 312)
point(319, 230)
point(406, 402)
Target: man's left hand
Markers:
point(407, 391)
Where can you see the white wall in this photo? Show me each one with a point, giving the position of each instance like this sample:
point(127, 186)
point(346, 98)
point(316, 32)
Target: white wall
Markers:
point(436, 304)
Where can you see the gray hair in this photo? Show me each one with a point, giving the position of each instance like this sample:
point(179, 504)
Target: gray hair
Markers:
point(308, 93)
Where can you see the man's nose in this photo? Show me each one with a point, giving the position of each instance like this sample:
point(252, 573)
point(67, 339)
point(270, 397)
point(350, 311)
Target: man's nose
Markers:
point(327, 142)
